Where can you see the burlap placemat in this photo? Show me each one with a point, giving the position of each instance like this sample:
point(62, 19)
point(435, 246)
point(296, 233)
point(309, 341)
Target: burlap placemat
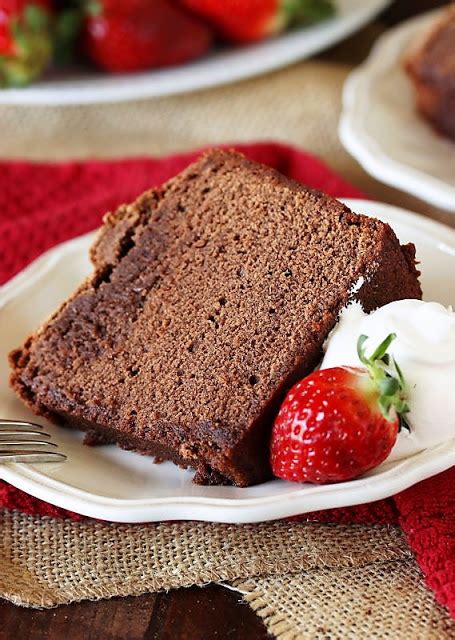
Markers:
point(376, 601)
point(304, 580)
point(299, 105)
point(55, 561)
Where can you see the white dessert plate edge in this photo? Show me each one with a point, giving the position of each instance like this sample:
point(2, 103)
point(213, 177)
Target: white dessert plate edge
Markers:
point(214, 69)
point(365, 147)
point(272, 500)
point(402, 475)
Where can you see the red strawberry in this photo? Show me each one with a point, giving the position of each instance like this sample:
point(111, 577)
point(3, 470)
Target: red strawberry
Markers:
point(250, 20)
point(336, 424)
point(123, 36)
point(25, 40)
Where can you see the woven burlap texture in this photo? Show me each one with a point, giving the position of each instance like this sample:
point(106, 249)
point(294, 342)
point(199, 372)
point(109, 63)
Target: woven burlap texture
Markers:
point(54, 561)
point(376, 601)
point(299, 105)
point(304, 580)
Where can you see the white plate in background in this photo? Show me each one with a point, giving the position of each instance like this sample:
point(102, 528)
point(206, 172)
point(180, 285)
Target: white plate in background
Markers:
point(111, 484)
point(216, 68)
point(382, 129)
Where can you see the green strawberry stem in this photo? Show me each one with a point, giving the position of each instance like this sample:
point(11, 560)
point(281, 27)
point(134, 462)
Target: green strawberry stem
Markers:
point(307, 11)
point(67, 28)
point(33, 47)
point(388, 378)
point(92, 8)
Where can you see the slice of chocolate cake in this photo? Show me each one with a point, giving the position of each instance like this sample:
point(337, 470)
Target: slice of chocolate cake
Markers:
point(430, 63)
point(209, 298)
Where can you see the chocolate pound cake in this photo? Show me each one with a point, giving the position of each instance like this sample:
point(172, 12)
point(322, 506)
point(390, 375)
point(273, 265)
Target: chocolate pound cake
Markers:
point(430, 63)
point(209, 298)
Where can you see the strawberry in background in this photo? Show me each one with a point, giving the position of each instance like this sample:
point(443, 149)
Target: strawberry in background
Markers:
point(25, 40)
point(132, 35)
point(246, 21)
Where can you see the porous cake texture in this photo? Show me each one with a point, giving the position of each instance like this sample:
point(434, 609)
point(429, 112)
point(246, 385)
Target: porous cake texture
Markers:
point(210, 297)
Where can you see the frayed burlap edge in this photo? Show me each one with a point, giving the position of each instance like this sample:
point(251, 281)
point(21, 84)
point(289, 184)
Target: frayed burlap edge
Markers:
point(47, 562)
point(379, 600)
point(305, 580)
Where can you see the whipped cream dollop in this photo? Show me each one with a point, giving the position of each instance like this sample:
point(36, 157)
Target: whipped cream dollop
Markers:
point(424, 349)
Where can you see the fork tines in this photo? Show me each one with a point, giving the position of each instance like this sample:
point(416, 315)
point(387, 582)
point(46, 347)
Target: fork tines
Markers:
point(26, 442)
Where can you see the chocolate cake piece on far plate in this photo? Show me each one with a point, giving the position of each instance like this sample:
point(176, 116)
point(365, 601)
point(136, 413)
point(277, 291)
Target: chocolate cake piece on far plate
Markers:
point(210, 297)
point(430, 64)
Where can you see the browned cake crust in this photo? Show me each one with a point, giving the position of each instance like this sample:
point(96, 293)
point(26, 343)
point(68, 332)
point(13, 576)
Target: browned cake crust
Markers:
point(430, 64)
point(209, 298)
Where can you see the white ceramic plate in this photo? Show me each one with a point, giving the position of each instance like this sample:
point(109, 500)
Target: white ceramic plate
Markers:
point(381, 128)
point(112, 484)
point(221, 67)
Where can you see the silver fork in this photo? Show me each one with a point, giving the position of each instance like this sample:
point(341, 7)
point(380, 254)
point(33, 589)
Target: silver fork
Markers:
point(26, 442)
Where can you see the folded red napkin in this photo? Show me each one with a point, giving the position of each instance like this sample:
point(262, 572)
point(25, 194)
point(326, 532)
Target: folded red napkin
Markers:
point(43, 204)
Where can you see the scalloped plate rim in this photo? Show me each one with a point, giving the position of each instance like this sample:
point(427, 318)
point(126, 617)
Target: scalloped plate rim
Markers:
point(367, 149)
point(393, 477)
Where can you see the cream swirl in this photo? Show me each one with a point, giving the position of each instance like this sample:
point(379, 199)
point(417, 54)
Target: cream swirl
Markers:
point(425, 350)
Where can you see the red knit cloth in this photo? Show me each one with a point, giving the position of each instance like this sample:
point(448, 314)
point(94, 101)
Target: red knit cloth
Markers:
point(43, 204)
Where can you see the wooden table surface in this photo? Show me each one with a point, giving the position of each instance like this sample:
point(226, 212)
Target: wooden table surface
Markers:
point(212, 612)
